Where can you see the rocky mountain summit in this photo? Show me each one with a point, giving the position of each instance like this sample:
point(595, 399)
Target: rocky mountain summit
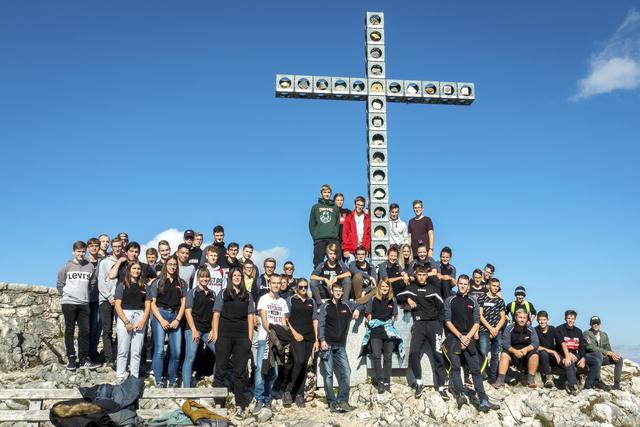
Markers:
point(32, 352)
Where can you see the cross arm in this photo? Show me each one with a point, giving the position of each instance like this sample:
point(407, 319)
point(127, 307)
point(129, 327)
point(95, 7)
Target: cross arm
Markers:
point(358, 88)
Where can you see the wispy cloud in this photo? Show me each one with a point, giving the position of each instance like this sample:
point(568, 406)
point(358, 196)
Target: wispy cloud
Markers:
point(175, 237)
point(617, 65)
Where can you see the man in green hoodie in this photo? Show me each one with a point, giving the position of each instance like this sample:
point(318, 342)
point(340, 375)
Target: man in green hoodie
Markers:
point(599, 350)
point(324, 220)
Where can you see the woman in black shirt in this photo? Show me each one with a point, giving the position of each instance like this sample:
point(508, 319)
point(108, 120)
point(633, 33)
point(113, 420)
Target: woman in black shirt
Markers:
point(233, 321)
point(132, 306)
point(303, 323)
point(381, 311)
point(167, 305)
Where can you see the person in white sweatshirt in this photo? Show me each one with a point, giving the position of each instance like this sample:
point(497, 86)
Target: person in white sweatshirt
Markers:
point(398, 232)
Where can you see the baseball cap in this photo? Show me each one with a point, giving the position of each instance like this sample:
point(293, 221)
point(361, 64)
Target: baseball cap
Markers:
point(189, 233)
point(594, 320)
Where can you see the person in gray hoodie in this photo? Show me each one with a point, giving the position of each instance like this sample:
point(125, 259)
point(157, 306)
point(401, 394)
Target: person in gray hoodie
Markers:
point(106, 289)
point(73, 284)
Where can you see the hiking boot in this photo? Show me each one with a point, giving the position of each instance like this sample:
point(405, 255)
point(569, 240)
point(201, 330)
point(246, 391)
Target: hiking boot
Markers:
point(71, 364)
point(346, 407)
point(258, 408)
point(616, 387)
point(443, 394)
point(419, 389)
point(461, 400)
point(89, 365)
point(484, 406)
point(287, 400)
point(602, 386)
point(548, 382)
point(300, 401)
point(532, 384)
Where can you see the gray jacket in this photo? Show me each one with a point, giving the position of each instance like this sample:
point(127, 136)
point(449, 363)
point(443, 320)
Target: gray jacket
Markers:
point(106, 286)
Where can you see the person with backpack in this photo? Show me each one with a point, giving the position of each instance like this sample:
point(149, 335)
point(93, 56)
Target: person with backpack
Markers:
point(521, 303)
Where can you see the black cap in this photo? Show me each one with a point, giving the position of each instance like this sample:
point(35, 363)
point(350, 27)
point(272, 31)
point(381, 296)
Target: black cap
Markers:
point(594, 320)
point(520, 290)
point(189, 233)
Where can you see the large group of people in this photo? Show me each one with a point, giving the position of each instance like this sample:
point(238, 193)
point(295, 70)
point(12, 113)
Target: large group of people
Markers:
point(212, 311)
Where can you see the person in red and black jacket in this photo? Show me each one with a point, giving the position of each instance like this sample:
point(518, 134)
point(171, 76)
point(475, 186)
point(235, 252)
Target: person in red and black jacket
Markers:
point(356, 230)
point(572, 348)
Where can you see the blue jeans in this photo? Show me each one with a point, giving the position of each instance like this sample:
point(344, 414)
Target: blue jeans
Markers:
point(263, 383)
point(190, 350)
point(336, 359)
point(494, 346)
point(175, 341)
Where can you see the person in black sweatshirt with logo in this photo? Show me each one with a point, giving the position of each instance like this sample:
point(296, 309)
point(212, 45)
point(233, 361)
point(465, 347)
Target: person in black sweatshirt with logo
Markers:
point(363, 275)
point(462, 321)
point(572, 348)
point(520, 344)
point(547, 349)
point(333, 327)
point(425, 297)
point(233, 322)
point(303, 323)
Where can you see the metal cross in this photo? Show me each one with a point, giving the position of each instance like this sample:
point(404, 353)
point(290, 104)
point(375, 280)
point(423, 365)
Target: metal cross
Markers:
point(377, 90)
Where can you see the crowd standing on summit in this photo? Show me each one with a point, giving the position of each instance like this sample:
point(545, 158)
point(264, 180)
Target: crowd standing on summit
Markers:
point(191, 312)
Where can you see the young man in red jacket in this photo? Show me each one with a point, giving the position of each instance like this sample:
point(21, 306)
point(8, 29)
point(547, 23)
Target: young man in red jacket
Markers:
point(356, 230)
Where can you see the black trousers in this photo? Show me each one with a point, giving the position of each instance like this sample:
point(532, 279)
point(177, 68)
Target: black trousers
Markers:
point(319, 250)
point(107, 313)
point(379, 348)
point(427, 334)
point(546, 361)
point(235, 350)
point(76, 314)
point(300, 352)
point(472, 358)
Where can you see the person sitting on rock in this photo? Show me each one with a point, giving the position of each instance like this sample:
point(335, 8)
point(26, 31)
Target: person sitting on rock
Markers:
point(362, 276)
point(393, 272)
point(329, 273)
point(547, 349)
point(462, 321)
point(520, 343)
point(333, 328)
point(599, 353)
point(572, 348)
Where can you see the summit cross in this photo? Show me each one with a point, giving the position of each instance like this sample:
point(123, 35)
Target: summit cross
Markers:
point(376, 89)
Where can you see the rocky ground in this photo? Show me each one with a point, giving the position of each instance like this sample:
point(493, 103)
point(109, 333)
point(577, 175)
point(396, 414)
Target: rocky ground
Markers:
point(518, 405)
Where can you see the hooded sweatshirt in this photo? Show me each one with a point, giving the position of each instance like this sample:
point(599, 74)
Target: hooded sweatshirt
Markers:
point(73, 282)
point(398, 232)
point(324, 220)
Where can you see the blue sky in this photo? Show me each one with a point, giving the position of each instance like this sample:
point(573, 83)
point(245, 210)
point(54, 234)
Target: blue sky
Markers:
point(151, 116)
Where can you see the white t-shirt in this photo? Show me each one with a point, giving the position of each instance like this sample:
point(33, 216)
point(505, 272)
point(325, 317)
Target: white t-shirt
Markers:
point(218, 279)
point(276, 310)
point(359, 227)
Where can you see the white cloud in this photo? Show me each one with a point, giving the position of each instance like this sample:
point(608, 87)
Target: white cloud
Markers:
point(175, 237)
point(617, 65)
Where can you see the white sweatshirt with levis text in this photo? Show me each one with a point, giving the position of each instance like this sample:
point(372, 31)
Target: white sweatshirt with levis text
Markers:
point(73, 282)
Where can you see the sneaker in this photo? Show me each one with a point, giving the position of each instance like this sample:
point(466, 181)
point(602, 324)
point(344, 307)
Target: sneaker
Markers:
point(346, 407)
point(300, 401)
point(172, 385)
point(461, 400)
point(484, 406)
point(159, 385)
point(419, 389)
point(258, 408)
point(333, 407)
point(548, 383)
point(443, 394)
point(71, 364)
point(573, 389)
point(89, 365)
point(616, 387)
point(287, 400)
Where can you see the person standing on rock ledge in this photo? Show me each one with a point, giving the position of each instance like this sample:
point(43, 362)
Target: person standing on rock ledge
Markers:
point(333, 327)
point(106, 289)
point(462, 319)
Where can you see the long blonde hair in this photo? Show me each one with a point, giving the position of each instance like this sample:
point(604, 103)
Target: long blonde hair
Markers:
point(379, 291)
point(401, 257)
